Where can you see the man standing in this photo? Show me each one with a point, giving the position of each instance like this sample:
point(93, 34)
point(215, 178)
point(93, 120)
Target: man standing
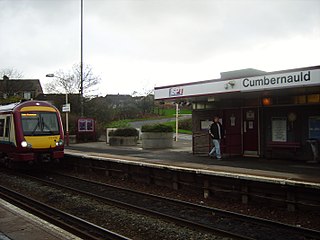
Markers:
point(216, 133)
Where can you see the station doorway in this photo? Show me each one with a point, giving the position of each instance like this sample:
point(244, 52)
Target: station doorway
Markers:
point(232, 126)
point(250, 132)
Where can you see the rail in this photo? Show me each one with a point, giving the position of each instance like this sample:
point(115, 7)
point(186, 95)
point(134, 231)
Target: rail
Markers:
point(192, 215)
point(70, 223)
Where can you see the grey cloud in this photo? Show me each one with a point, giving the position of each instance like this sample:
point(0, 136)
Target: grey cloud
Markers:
point(43, 35)
point(193, 30)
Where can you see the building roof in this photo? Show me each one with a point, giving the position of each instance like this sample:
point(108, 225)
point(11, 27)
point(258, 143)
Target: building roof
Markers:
point(248, 72)
point(243, 81)
point(20, 85)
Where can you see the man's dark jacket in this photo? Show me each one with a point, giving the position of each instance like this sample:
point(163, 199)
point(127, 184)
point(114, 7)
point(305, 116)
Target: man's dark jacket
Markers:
point(214, 130)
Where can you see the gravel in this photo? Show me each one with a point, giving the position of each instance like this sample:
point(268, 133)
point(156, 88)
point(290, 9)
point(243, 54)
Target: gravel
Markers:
point(127, 223)
point(307, 219)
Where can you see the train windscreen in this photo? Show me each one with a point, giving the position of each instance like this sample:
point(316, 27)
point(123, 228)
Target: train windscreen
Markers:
point(40, 123)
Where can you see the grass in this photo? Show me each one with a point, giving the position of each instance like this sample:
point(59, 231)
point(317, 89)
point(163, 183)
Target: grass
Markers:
point(171, 112)
point(173, 124)
point(164, 113)
point(118, 124)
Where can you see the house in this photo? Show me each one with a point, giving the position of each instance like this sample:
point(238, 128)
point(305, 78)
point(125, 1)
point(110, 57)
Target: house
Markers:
point(23, 88)
point(118, 100)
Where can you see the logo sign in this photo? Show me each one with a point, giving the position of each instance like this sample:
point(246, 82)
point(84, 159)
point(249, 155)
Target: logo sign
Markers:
point(176, 91)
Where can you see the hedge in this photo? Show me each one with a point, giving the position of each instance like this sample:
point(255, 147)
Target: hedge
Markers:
point(156, 128)
point(125, 132)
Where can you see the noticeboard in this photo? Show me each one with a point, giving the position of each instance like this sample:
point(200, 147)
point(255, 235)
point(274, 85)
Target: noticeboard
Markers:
point(86, 125)
point(205, 125)
point(279, 129)
point(314, 127)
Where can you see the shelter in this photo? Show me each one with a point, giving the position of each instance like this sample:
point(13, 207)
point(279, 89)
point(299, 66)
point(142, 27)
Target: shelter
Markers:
point(264, 114)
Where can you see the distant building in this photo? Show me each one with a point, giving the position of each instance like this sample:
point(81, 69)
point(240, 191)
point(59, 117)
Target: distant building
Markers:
point(23, 88)
point(58, 100)
point(118, 100)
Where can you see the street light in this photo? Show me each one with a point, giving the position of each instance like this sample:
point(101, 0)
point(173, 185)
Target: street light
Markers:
point(81, 60)
point(67, 110)
point(177, 121)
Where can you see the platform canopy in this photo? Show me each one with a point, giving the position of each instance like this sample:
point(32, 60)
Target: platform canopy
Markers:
point(243, 82)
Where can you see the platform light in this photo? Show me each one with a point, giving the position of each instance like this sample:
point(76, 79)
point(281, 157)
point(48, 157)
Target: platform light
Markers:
point(266, 101)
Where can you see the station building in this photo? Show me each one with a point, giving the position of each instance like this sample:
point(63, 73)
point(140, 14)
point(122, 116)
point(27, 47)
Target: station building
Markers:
point(264, 114)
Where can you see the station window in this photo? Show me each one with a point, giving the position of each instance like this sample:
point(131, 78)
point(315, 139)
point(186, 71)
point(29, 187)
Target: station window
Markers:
point(27, 95)
point(311, 98)
point(1, 127)
point(7, 133)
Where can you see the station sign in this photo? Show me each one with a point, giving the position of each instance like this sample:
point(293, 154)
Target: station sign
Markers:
point(66, 107)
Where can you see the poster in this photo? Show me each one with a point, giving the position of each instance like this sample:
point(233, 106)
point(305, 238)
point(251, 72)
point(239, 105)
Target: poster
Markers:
point(232, 121)
point(279, 129)
point(85, 125)
point(314, 127)
point(250, 125)
point(205, 124)
point(250, 115)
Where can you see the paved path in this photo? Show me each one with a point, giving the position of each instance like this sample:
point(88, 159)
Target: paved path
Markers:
point(139, 124)
point(181, 156)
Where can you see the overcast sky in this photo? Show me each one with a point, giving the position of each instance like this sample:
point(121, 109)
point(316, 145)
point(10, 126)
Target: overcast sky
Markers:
point(135, 45)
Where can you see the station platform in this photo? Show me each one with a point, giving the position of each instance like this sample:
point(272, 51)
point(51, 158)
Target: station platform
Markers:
point(180, 156)
point(17, 224)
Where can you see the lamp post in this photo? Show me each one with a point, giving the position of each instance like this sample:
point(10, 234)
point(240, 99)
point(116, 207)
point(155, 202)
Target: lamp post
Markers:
point(67, 112)
point(177, 121)
point(81, 60)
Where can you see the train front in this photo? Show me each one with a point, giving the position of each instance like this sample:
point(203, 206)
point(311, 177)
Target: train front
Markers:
point(39, 132)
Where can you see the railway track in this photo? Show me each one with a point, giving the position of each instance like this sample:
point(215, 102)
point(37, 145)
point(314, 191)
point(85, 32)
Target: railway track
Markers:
point(195, 216)
point(70, 223)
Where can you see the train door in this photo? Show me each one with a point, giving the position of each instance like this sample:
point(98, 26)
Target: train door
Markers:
point(232, 126)
point(251, 132)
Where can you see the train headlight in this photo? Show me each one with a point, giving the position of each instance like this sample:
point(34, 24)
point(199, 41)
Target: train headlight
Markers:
point(59, 143)
point(26, 144)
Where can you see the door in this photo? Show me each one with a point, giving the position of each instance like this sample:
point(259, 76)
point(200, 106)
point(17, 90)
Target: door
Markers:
point(232, 127)
point(251, 132)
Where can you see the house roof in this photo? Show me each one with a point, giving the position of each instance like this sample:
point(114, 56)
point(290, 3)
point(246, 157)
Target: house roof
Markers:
point(20, 85)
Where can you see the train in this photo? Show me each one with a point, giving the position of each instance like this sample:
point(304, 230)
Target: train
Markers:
point(31, 132)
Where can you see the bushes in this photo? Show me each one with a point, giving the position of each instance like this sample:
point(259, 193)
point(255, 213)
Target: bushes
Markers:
point(185, 124)
point(156, 128)
point(125, 132)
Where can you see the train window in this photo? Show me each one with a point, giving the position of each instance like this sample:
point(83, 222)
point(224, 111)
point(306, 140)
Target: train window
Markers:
point(40, 123)
point(1, 127)
point(7, 133)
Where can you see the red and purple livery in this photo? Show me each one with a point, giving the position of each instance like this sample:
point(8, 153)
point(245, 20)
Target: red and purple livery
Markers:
point(30, 131)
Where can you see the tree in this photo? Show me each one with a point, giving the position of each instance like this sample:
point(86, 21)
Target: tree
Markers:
point(144, 101)
point(70, 82)
point(11, 73)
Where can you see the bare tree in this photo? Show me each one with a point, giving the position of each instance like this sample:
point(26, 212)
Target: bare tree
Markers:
point(11, 73)
point(70, 82)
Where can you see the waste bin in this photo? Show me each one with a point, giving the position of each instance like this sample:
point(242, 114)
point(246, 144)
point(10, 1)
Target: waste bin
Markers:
point(314, 144)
